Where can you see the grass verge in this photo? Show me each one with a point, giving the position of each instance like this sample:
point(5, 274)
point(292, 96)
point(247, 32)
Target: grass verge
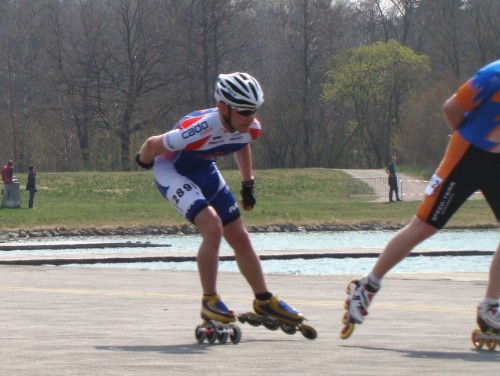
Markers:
point(131, 200)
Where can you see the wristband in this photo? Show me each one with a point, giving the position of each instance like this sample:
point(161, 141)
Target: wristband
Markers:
point(248, 183)
point(142, 164)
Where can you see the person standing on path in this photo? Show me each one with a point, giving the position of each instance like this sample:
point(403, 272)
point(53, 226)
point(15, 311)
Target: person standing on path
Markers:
point(184, 169)
point(31, 185)
point(471, 162)
point(393, 180)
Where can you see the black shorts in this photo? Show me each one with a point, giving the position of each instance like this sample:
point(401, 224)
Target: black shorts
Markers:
point(464, 170)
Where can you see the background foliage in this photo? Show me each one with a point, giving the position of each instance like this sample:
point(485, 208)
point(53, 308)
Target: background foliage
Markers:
point(83, 83)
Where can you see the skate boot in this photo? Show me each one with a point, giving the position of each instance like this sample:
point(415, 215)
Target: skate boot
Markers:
point(275, 314)
point(278, 310)
point(216, 325)
point(360, 294)
point(488, 319)
point(213, 309)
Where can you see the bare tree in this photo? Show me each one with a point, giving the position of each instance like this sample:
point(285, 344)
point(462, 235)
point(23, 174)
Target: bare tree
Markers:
point(18, 63)
point(93, 78)
point(134, 49)
point(76, 31)
point(303, 37)
point(447, 28)
point(483, 31)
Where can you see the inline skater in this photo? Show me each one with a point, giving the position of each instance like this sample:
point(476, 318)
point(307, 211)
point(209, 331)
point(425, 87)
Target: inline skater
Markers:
point(471, 163)
point(184, 169)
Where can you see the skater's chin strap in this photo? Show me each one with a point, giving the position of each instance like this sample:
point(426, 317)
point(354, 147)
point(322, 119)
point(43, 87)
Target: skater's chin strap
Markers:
point(227, 119)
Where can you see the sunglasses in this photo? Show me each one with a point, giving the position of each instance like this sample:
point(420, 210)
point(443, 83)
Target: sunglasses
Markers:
point(243, 112)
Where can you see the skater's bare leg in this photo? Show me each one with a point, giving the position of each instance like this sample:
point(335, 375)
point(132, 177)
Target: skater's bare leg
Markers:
point(361, 292)
point(493, 289)
point(248, 262)
point(209, 226)
point(401, 245)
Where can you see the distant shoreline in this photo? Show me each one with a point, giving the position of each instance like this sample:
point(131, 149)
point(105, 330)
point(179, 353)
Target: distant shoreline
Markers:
point(188, 229)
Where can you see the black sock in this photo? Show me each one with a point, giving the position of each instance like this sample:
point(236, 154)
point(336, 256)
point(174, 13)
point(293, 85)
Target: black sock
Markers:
point(264, 296)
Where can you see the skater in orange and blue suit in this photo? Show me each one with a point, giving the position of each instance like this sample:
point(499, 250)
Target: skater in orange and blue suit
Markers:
point(471, 162)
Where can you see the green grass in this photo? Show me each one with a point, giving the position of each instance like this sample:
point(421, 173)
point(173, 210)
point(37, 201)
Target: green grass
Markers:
point(417, 172)
point(131, 200)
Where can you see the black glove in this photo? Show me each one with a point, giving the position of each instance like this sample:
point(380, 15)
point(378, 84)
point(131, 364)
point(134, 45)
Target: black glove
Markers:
point(247, 194)
point(142, 164)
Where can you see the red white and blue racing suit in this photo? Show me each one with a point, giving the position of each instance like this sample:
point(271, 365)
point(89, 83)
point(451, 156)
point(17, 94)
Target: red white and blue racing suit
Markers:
point(472, 159)
point(187, 175)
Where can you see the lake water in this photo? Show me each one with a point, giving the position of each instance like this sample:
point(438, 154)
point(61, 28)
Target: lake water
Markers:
point(481, 240)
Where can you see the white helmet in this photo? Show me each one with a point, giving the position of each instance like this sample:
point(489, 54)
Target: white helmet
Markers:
point(239, 90)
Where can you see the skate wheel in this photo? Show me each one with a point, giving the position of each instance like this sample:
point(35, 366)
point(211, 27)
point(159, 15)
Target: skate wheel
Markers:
point(236, 335)
point(490, 344)
point(212, 334)
point(222, 337)
point(347, 330)
point(200, 334)
point(288, 329)
point(347, 303)
point(253, 319)
point(308, 331)
point(348, 288)
point(271, 325)
point(242, 318)
point(345, 320)
point(476, 341)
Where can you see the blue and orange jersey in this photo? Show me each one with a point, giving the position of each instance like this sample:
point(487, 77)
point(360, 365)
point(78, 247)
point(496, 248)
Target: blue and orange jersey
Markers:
point(199, 138)
point(480, 96)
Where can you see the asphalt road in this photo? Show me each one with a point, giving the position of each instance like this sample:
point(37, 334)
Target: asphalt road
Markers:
point(104, 321)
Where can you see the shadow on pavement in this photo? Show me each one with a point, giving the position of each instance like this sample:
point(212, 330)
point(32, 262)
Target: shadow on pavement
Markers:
point(477, 356)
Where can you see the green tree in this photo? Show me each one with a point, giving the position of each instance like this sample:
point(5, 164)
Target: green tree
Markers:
point(372, 82)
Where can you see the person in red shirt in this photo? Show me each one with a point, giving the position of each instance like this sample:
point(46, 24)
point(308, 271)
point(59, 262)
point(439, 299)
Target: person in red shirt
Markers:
point(8, 172)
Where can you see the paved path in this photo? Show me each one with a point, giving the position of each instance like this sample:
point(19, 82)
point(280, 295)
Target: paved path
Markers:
point(104, 321)
point(412, 188)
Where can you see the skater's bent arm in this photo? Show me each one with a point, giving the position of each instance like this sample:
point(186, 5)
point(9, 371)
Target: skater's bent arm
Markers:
point(243, 158)
point(453, 112)
point(151, 148)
